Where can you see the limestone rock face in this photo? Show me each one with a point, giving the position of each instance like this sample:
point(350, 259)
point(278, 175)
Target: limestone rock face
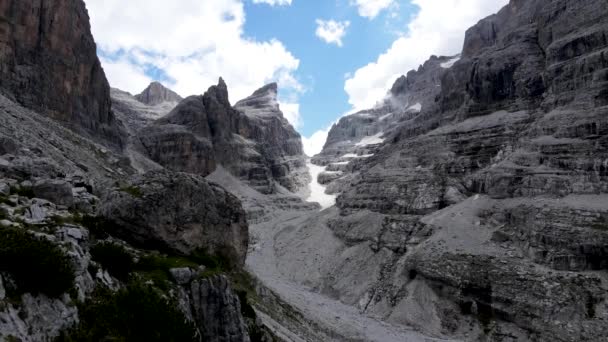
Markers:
point(482, 215)
point(179, 212)
point(156, 94)
point(217, 310)
point(49, 63)
point(252, 140)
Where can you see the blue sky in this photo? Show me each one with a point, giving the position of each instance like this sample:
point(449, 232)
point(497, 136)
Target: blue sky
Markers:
point(330, 57)
point(323, 66)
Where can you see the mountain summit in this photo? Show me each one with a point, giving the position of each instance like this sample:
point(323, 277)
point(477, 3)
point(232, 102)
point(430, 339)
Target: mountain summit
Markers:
point(156, 93)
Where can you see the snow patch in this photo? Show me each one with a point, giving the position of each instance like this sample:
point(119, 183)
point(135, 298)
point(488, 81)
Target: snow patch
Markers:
point(415, 108)
point(349, 155)
point(450, 63)
point(317, 191)
point(372, 140)
point(384, 117)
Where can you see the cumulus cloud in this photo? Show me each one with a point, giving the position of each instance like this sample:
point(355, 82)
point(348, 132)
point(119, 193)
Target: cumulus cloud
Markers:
point(331, 31)
point(273, 2)
point(313, 145)
point(291, 112)
point(371, 8)
point(438, 28)
point(189, 44)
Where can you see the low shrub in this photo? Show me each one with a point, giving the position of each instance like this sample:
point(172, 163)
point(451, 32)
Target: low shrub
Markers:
point(23, 191)
point(133, 191)
point(36, 265)
point(136, 313)
point(113, 258)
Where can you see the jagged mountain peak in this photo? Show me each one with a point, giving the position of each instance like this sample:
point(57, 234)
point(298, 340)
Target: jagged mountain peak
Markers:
point(262, 103)
point(156, 93)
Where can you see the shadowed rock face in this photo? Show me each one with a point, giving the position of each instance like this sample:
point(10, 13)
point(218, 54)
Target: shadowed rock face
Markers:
point(48, 63)
point(156, 94)
point(252, 140)
point(519, 126)
point(179, 212)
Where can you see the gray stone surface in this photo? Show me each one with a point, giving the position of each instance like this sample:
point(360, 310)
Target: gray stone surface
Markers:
point(156, 94)
point(252, 140)
point(49, 64)
point(181, 212)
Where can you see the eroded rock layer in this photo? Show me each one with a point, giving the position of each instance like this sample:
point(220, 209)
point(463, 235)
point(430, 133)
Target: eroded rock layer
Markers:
point(481, 216)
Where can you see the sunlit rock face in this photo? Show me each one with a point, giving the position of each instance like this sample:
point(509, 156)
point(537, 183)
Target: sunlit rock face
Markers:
point(499, 174)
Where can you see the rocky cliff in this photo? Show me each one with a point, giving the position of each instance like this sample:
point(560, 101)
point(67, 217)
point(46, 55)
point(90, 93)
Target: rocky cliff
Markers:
point(252, 140)
point(480, 216)
point(48, 62)
point(78, 261)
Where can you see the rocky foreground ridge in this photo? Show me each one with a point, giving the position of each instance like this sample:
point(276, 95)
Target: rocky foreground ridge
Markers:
point(98, 241)
point(482, 215)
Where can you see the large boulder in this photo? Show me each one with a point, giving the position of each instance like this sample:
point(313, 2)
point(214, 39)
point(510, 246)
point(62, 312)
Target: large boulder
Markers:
point(180, 212)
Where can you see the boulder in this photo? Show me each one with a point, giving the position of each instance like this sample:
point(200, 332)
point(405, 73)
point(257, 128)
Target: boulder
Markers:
point(56, 191)
point(180, 212)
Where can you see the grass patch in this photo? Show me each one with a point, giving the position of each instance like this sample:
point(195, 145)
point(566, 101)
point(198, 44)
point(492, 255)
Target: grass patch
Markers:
point(36, 265)
point(136, 313)
point(133, 191)
point(114, 258)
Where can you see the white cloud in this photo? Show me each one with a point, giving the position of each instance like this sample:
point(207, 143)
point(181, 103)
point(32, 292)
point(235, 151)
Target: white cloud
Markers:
point(438, 28)
point(273, 2)
point(313, 145)
point(124, 75)
point(371, 8)
point(331, 31)
point(191, 42)
point(291, 112)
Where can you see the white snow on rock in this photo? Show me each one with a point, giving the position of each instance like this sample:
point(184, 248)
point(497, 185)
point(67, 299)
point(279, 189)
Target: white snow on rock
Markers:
point(349, 155)
point(384, 117)
point(317, 191)
point(415, 108)
point(450, 63)
point(371, 140)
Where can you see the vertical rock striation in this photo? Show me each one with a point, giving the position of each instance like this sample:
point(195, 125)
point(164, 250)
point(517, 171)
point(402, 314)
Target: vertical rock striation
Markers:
point(48, 62)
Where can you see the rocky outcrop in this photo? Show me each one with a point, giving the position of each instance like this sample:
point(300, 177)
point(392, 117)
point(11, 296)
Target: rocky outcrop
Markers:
point(156, 94)
point(49, 64)
point(479, 217)
point(252, 140)
point(181, 213)
point(216, 309)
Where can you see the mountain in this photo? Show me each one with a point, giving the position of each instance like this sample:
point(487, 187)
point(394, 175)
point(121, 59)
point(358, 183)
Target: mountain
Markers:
point(94, 246)
point(251, 140)
point(156, 94)
point(479, 215)
point(51, 66)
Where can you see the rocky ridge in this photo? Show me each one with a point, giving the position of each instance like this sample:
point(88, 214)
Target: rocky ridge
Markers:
point(252, 140)
point(479, 217)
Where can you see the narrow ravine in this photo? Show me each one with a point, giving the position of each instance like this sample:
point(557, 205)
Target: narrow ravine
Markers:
point(345, 322)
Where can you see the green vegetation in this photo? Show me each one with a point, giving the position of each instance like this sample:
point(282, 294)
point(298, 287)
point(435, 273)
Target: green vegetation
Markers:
point(114, 258)
point(600, 224)
point(23, 191)
point(133, 191)
point(98, 226)
point(36, 265)
point(5, 200)
point(136, 313)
